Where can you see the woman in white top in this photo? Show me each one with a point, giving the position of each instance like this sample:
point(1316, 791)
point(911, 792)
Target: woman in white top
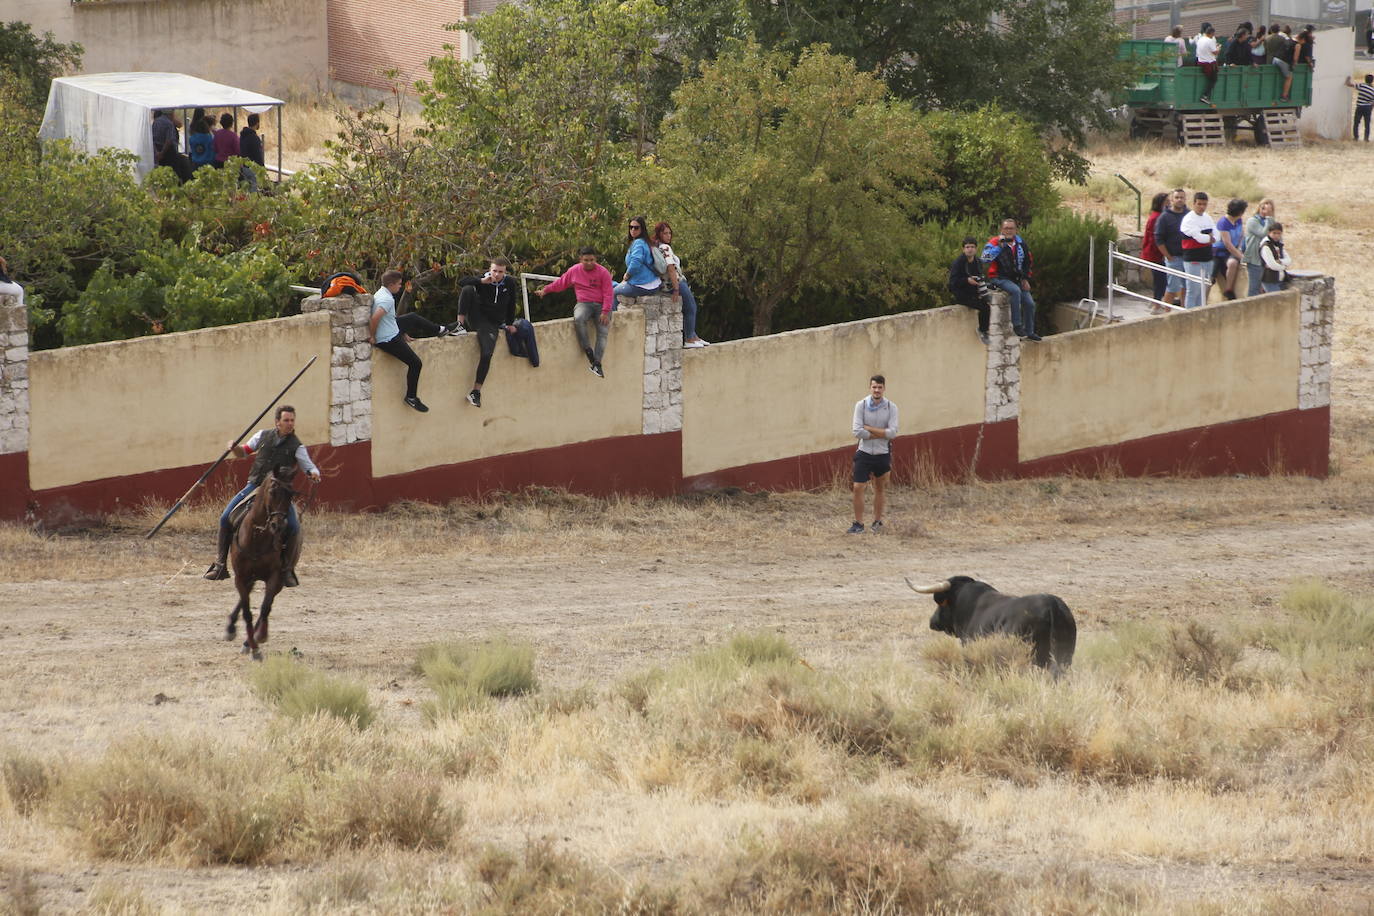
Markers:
point(1176, 38)
point(8, 286)
point(663, 239)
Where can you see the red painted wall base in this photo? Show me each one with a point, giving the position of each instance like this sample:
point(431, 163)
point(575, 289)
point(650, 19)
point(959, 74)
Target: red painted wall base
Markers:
point(1289, 442)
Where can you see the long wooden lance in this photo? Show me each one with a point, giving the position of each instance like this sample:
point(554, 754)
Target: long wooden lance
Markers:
point(220, 460)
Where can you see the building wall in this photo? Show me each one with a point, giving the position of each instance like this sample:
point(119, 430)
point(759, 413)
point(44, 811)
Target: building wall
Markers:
point(271, 46)
point(523, 408)
point(1333, 103)
point(367, 37)
point(753, 400)
point(1187, 370)
point(132, 406)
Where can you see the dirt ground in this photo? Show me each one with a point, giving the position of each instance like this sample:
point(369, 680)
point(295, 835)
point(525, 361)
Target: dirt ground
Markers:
point(103, 635)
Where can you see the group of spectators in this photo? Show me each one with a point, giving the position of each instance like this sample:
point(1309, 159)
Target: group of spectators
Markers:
point(1211, 251)
point(1005, 264)
point(486, 306)
point(208, 147)
point(1275, 46)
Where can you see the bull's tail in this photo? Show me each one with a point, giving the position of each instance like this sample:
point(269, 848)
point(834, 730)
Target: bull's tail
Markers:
point(1063, 636)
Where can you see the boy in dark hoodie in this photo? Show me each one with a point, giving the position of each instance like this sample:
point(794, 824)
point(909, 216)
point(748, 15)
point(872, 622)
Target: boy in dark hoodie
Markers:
point(966, 283)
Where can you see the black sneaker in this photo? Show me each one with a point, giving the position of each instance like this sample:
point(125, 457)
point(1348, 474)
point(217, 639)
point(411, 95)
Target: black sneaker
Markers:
point(596, 370)
point(417, 404)
point(1032, 336)
point(856, 528)
point(475, 398)
point(877, 526)
point(984, 338)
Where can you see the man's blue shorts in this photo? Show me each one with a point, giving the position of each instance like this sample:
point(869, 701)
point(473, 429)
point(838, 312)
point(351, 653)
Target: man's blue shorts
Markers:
point(868, 465)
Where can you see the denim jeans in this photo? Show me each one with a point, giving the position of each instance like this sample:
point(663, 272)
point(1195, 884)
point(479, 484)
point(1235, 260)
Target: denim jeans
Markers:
point(292, 525)
point(1197, 292)
point(1175, 283)
point(1253, 272)
point(689, 310)
point(1271, 287)
point(630, 291)
point(1022, 305)
point(587, 315)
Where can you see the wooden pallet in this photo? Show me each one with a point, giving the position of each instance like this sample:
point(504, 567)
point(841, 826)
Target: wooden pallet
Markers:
point(1281, 127)
point(1206, 129)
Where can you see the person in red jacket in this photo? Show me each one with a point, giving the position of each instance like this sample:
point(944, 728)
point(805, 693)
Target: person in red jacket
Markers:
point(595, 301)
point(1149, 250)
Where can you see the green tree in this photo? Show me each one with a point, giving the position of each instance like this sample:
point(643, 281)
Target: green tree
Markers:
point(28, 65)
point(178, 286)
point(1052, 62)
point(993, 165)
point(787, 176)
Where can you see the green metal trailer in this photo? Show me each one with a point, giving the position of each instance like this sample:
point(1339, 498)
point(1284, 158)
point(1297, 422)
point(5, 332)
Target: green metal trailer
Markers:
point(1166, 101)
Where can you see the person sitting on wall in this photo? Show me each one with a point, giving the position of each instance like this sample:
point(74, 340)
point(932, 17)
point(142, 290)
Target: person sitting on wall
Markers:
point(486, 305)
point(7, 285)
point(594, 287)
point(166, 145)
point(966, 284)
point(1227, 247)
point(275, 448)
point(393, 335)
point(1009, 268)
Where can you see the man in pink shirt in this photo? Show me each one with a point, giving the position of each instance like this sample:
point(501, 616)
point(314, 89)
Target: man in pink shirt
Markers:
point(592, 284)
point(226, 141)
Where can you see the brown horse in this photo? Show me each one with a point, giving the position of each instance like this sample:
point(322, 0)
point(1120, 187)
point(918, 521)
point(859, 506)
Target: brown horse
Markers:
point(256, 556)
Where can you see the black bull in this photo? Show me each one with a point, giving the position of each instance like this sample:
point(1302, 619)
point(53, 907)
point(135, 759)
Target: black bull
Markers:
point(969, 609)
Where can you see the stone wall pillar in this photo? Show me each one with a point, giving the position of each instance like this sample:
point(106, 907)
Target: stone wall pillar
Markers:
point(350, 366)
point(14, 376)
point(1317, 312)
point(662, 362)
point(1003, 388)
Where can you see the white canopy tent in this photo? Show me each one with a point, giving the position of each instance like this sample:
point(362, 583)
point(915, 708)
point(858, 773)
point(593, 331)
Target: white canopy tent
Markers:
point(116, 109)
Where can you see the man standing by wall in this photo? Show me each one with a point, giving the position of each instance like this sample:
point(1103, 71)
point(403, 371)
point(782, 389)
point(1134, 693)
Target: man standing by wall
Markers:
point(1364, 105)
point(486, 305)
point(595, 299)
point(1199, 230)
point(875, 426)
point(1169, 240)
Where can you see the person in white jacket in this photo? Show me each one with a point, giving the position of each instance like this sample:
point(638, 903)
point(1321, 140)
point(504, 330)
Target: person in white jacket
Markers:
point(1198, 229)
point(1276, 261)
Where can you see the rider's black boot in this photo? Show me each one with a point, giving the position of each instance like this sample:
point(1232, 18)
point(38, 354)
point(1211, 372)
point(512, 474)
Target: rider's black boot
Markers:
point(220, 569)
point(289, 555)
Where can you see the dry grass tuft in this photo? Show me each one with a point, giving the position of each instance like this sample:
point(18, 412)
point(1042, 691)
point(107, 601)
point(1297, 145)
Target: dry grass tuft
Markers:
point(196, 801)
point(300, 692)
point(111, 899)
point(465, 674)
point(545, 880)
point(996, 654)
point(1230, 180)
point(27, 780)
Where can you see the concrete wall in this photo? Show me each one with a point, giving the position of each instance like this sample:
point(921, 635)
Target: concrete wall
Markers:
point(523, 408)
point(1186, 370)
point(128, 407)
point(1333, 102)
point(367, 37)
point(754, 400)
point(271, 46)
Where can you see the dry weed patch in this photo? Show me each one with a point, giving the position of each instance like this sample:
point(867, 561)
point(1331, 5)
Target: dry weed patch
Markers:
point(300, 692)
point(465, 674)
point(196, 801)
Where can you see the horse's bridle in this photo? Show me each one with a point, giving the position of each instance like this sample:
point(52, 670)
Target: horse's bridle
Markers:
point(277, 517)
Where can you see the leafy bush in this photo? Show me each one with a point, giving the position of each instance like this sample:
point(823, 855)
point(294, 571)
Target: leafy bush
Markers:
point(178, 286)
point(993, 165)
point(301, 693)
point(1059, 245)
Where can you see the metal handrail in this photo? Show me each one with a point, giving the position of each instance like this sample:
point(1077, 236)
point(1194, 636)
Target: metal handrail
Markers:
point(525, 291)
point(1113, 287)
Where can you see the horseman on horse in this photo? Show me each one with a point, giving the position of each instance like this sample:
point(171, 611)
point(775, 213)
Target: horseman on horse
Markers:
point(271, 449)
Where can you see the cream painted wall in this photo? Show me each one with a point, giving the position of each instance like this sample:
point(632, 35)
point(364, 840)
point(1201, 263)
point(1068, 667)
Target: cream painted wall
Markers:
point(272, 46)
point(111, 409)
point(789, 394)
point(523, 408)
point(1113, 384)
point(1333, 103)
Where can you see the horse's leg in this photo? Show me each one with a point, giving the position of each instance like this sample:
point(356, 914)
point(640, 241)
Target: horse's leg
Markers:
point(250, 644)
point(273, 586)
point(232, 630)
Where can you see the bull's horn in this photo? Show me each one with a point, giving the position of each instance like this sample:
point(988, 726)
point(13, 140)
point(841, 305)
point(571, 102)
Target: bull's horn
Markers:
point(929, 589)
